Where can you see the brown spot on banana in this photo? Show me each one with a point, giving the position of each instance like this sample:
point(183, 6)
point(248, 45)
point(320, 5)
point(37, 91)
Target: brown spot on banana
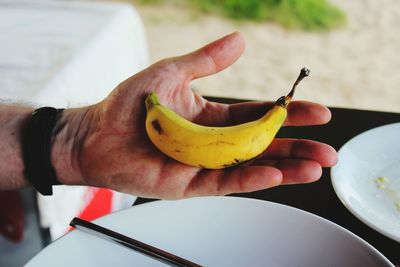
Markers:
point(235, 163)
point(177, 142)
point(218, 142)
point(157, 126)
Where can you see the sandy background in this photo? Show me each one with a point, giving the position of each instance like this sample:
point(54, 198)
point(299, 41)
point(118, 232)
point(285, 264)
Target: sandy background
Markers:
point(357, 66)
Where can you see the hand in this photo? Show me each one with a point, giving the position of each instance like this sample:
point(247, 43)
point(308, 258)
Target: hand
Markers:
point(111, 149)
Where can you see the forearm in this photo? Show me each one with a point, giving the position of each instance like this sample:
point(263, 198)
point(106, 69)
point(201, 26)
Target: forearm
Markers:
point(13, 120)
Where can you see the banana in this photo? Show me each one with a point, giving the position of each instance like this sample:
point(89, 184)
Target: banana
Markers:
point(214, 147)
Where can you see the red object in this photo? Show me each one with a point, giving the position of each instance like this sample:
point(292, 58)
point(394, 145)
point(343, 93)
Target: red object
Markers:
point(99, 205)
point(11, 216)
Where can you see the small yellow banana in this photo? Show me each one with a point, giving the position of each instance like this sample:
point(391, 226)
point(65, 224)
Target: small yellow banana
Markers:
point(214, 147)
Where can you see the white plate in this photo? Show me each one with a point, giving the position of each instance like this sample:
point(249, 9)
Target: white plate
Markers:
point(217, 231)
point(362, 160)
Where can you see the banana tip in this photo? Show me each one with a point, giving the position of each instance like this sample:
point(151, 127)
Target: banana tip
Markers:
point(305, 71)
point(152, 100)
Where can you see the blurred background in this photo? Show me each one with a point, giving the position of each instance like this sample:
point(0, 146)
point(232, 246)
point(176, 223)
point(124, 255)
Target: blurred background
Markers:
point(67, 53)
point(351, 47)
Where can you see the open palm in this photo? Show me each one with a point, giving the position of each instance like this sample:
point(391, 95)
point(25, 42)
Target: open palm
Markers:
point(116, 152)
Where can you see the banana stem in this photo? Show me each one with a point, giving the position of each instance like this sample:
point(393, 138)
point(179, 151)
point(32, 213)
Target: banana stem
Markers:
point(285, 100)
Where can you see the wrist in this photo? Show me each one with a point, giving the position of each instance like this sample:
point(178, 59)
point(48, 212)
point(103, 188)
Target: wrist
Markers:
point(68, 138)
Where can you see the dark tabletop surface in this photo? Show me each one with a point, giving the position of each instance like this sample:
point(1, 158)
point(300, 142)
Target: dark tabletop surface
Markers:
point(319, 197)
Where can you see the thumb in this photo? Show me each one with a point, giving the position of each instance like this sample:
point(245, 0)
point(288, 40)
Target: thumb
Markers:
point(213, 57)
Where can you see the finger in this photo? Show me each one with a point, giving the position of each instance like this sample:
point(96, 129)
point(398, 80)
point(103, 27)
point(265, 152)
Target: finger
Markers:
point(300, 113)
point(295, 171)
point(213, 57)
point(235, 180)
point(322, 153)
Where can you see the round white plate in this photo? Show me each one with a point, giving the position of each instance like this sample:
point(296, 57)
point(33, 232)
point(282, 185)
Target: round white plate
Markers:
point(367, 178)
point(217, 231)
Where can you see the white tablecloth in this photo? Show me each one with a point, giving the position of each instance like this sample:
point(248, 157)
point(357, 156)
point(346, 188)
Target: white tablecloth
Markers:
point(65, 54)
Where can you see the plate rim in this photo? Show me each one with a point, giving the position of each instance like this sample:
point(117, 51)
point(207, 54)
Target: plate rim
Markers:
point(276, 204)
point(341, 196)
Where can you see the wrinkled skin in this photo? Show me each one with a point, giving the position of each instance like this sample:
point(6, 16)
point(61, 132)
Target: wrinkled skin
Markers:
point(111, 149)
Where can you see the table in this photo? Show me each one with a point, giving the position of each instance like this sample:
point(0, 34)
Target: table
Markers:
point(319, 197)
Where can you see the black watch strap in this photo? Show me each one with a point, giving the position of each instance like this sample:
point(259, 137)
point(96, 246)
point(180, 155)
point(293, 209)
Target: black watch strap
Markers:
point(37, 149)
